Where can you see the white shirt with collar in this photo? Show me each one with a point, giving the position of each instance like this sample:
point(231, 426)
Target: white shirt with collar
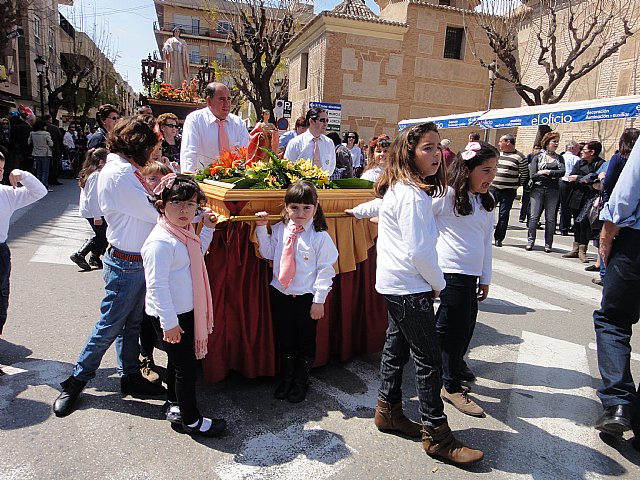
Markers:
point(570, 161)
point(125, 204)
point(199, 144)
point(315, 255)
point(11, 199)
point(68, 141)
point(89, 206)
point(301, 147)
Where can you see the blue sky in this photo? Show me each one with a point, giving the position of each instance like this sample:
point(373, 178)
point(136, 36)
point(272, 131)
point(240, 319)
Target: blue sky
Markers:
point(129, 24)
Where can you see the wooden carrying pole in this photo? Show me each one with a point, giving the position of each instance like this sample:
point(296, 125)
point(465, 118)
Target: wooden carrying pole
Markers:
point(253, 218)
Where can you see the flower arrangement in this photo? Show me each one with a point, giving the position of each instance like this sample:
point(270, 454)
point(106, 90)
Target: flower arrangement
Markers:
point(187, 93)
point(229, 165)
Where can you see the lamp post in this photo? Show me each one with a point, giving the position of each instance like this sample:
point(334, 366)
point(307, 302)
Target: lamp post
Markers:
point(492, 78)
point(40, 63)
point(206, 75)
point(149, 72)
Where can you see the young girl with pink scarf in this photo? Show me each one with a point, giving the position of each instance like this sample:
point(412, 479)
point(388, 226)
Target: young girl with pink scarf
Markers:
point(174, 264)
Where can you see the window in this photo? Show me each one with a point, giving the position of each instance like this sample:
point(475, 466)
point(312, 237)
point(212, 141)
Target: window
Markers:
point(224, 28)
point(304, 70)
point(195, 25)
point(446, 3)
point(194, 54)
point(453, 43)
point(36, 28)
point(52, 40)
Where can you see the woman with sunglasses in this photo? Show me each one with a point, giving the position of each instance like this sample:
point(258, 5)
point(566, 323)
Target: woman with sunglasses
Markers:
point(106, 116)
point(350, 140)
point(169, 126)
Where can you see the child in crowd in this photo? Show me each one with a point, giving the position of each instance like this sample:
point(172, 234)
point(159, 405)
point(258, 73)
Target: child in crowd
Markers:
point(11, 199)
point(378, 149)
point(90, 209)
point(410, 279)
point(464, 220)
point(303, 255)
point(174, 264)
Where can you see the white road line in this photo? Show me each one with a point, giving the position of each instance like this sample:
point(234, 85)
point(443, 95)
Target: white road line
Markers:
point(61, 237)
point(552, 405)
point(572, 290)
point(296, 452)
point(506, 297)
point(634, 356)
point(550, 259)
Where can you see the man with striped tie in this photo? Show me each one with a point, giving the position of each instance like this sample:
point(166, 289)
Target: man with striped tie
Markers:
point(313, 144)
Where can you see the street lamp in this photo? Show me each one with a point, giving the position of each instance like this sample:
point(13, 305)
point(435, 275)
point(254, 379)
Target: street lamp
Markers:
point(40, 63)
point(493, 66)
point(149, 72)
point(206, 75)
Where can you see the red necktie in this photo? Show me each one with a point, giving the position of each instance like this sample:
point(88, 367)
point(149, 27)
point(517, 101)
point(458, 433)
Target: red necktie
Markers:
point(316, 153)
point(223, 138)
point(288, 259)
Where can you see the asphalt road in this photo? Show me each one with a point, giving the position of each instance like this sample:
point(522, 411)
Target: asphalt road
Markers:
point(533, 353)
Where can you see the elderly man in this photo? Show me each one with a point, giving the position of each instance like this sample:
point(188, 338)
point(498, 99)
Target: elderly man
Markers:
point(313, 144)
point(572, 150)
point(211, 130)
point(512, 170)
point(620, 306)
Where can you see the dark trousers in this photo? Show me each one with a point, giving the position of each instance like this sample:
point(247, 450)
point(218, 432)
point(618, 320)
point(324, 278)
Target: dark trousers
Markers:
point(525, 207)
point(619, 312)
point(54, 172)
point(547, 199)
point(566, 213)
point(295, 329)
point(148, 335)
point(182, 366)
point(581, 230)
point(5, 272)
point(412, 332)
point(99, 238)
point(455, 322)
point(504, 198)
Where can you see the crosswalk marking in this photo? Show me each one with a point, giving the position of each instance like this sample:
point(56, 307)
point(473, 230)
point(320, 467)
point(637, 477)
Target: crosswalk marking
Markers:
point(502, 296)
point(61, 237)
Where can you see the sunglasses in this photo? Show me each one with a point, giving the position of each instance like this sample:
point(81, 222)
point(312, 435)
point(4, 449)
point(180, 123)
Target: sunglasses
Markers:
point(321, 120)
point(351, 136)
point(114, 118)
point(171, 125)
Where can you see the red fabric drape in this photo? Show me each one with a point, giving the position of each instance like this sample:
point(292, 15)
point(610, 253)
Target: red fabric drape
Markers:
point(242, 340)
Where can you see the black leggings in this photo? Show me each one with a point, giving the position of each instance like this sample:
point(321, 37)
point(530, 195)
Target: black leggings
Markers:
point(295, 329)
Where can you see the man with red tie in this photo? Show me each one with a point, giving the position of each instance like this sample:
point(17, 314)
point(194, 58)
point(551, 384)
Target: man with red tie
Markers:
point(211, 130)
point(313, 144)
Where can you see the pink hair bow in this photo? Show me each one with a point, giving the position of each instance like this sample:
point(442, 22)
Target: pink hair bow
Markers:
point(165, 182)
point(470, 150)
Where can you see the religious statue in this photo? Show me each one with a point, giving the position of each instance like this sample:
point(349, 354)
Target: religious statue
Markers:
point(264, 134)
point(176, 54)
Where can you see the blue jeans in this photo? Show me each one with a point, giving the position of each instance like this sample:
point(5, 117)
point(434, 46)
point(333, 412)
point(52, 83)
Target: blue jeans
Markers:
point(504, 197)
point(43, 165)
point(412, 331)
point(547, 199)
point(455, 322)
point(619, 311)
point(120, 313)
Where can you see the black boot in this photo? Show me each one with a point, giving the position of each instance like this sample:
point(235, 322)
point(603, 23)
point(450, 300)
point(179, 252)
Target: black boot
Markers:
point(288, 369)
point(136, 384)
point(301, 380)
point(71, 389)
point(78, 257)
point(95, 261)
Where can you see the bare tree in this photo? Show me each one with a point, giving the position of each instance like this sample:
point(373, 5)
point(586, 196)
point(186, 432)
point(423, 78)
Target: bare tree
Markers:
point(9, 17)
point(567, 40)
point(258, 33)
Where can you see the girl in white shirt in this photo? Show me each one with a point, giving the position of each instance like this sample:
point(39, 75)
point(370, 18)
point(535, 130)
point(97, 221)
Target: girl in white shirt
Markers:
point(303, 255)
point(378, 149)
point(464, 219)
point(410, 279)
point(90, 209)
point(174, 264)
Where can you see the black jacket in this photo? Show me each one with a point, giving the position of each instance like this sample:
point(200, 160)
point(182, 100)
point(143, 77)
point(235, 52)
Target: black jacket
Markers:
point(583, 187)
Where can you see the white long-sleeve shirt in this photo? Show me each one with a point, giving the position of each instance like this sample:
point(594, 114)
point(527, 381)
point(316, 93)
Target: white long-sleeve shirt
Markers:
point(301, 148)
point(125, 205)
point(11, 199)
point(315, 255)
point(89, 207)
point(199, 145)
point(167, 271)
point(68, 141)
point(407, 257)
point(464, 242)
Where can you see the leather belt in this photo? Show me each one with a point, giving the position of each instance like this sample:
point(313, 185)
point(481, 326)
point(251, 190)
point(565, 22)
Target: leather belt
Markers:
point(129, 257)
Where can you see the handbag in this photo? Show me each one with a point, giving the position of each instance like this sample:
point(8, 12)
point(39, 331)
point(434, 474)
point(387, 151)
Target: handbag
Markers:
point(594, 212)
point(584, 211)
point(66, 164)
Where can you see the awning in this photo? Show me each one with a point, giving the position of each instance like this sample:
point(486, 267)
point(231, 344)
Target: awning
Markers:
point(570, 112)
point(448, 121)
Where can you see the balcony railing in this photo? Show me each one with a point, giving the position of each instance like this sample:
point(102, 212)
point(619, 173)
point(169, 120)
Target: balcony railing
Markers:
point(189, 30)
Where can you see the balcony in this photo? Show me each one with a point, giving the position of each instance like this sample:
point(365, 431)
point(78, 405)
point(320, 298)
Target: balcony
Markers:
point(189, 30)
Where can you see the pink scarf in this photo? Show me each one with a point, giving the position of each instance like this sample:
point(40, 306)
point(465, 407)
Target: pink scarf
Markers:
point(202, 304)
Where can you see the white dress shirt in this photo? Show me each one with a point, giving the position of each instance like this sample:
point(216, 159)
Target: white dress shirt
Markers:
point(167, 271)
point(373, 173)
point(199, 146)
point(356, 155)
point(315, 255)
point(11, 199)
point(68, 141)
point(301, 147)
point(125, 205)
point(89, 206)
point(407, 257)
point(464, 242)
point(570, 161)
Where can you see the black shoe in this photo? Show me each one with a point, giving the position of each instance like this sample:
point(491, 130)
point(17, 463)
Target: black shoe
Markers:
point(529, 247)
point(71, 389)
point(301, 381)
point(547, 249)
point(172, 416)
point(218, 425)
point(591, 268)
point(615, 420)
point(466, 374)
point(80, 261)
point(136, 384)
point(94, 261)
point(597, 281)
point(498, 243)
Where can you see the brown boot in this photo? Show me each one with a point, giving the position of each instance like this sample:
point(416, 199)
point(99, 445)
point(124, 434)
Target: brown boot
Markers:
point(147, 369)
point(582, 253)
point(574, 251)
point(462, 402)
point(439, 442)
point(390, 418)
